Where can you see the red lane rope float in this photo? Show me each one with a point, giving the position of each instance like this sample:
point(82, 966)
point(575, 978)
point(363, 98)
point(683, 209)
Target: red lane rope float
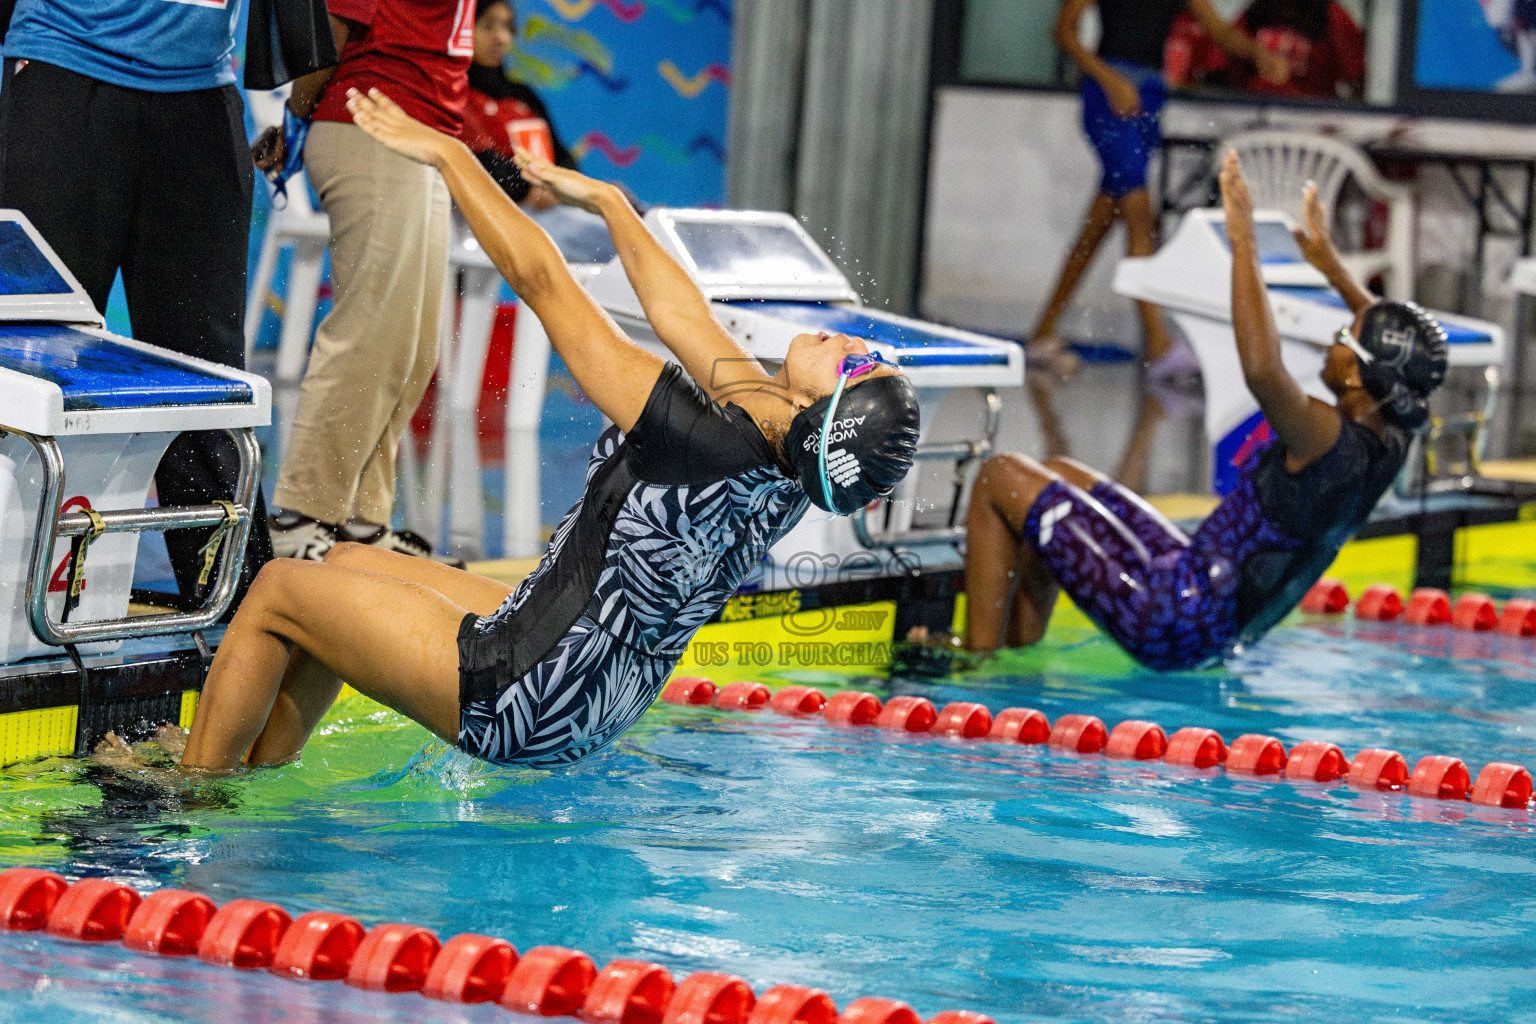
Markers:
point(550, 981)
point(170, 922)
point(1326, 597)
point(1080, 734)
point(628, 992)
point(1518, 618)
point(1428, 606)
point(874, 1010)
point(1502, 785)
point(1134, 740)
point(963, 720)
point(1020, 725)
point(27, 897)
point(960, 1017)
point(1379, 603)
point(393, 958)
point(470, 969)
point(742, 696)
point(1194, 747)
point(1474, 612)
point(1315, 761)
point(244, 934)
point(1440, 778)
point(852, 707)
point(907, 714)
point(798, 700)
point(1375, 768)
point(710, 998)
point(319, 946)
point(688, 690)
point(1253, 754)
point(793, 1004)
point(93, 910)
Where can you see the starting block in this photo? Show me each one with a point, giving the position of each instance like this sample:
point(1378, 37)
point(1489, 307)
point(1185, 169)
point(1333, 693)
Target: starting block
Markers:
point(85, 416)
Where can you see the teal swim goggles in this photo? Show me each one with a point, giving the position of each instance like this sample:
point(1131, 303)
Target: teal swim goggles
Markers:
point(851, 368)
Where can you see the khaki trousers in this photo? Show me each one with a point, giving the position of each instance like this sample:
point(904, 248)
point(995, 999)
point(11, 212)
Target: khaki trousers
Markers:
point(375, 353)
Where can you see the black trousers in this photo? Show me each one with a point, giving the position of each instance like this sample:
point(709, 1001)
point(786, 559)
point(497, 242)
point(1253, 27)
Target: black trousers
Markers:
point(157, 185)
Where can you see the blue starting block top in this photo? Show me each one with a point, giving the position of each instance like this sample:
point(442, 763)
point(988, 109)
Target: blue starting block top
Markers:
point(916, 345)
point(1455, 334)
point(97, 373)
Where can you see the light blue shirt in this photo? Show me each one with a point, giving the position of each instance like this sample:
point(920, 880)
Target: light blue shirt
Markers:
point(156, 45)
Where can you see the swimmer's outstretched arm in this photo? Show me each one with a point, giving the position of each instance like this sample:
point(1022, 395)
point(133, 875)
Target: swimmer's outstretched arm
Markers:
point(1307, 427)
point(678, 312)
point(612, 370)
point(1316, 243)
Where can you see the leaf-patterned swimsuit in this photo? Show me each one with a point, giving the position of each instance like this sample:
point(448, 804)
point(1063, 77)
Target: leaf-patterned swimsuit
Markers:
point(674, 516)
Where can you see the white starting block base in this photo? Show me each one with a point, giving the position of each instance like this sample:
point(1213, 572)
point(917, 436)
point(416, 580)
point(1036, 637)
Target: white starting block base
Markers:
point(85, 417)
point(768, 282)
point(105, 471)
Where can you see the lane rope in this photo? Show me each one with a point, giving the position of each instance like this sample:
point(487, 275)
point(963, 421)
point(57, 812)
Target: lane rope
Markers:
point(1434, 777)
point(1425, 606)
point(550, 981)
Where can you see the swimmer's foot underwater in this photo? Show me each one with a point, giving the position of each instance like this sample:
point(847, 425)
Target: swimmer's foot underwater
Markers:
point(933, 654)
point(710, 461)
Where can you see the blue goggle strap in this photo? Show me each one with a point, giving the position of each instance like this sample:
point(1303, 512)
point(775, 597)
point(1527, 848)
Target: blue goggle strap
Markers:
point(826, 430)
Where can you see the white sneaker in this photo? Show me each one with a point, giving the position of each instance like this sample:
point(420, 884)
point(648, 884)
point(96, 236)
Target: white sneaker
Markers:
point(296, 536)
point(406, 542)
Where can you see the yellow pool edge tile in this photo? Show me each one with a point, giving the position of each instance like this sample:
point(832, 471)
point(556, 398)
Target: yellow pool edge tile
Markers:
point(28, 734)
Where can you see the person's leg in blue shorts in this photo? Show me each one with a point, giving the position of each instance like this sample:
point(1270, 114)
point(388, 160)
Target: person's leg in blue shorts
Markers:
point(1124, 145)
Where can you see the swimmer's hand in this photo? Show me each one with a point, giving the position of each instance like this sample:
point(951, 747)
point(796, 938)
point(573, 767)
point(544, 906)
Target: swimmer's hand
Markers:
point(1235, 198)
point(1315, 239)
point(570, 187)
point(383, 120)
point(1272, 67)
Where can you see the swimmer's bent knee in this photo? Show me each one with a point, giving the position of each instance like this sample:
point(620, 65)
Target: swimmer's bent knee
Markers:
point(345, 551)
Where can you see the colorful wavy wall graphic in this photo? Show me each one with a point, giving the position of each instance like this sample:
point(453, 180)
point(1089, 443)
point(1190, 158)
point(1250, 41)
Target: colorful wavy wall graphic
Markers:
point(688, 87)
point(543, 75)
point(681, 11)
point(585, 45)
point(575, 10)
point(650, 144)
point(684, 12)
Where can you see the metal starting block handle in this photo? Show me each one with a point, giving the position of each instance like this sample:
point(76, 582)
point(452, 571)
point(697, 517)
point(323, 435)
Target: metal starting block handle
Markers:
point(51, 525)
point(962, 454)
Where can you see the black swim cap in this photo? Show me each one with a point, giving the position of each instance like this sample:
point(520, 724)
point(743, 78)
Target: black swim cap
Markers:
point(1406, 349)
point(869, 448)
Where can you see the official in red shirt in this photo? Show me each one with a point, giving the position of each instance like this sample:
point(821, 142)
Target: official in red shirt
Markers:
point(376, 351)
point(501, 113)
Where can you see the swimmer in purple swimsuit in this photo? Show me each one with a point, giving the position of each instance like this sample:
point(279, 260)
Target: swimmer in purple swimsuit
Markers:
point(1175, 601)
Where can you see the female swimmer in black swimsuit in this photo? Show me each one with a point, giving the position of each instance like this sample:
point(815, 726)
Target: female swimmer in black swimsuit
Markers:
point(1174, 601)
point(684, 497)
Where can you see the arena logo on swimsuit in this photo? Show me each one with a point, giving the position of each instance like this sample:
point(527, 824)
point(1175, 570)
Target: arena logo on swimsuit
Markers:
point(840, 431)
point(1053, 515)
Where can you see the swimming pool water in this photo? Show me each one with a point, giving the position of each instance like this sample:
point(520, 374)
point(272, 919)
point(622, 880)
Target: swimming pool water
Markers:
point(1011, 881)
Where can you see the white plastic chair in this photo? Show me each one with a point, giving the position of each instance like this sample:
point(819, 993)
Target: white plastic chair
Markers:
point(307, 231)
point(1278, 164)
